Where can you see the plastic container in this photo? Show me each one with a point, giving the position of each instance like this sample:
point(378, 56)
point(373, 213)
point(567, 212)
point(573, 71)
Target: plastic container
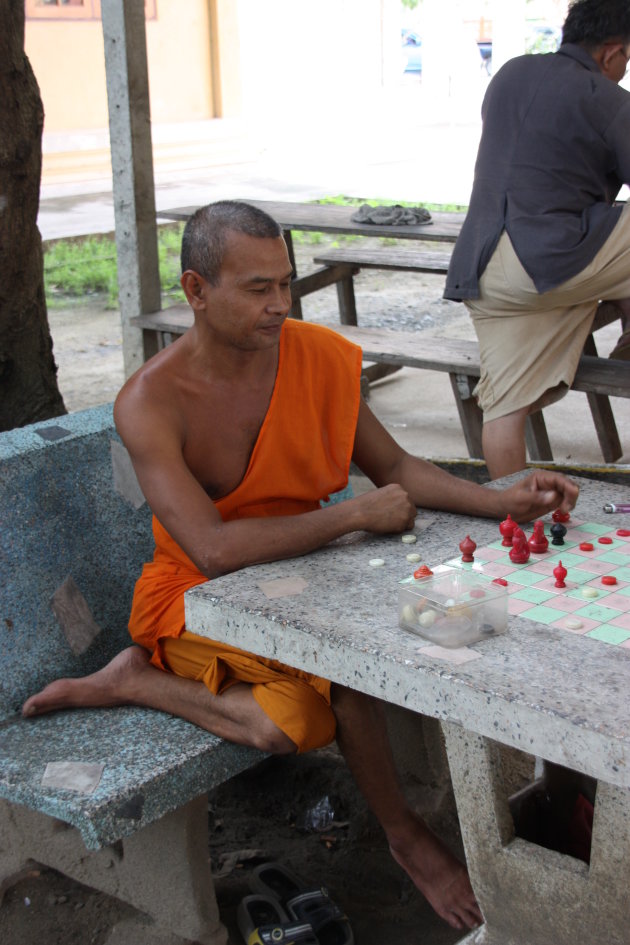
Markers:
point(453, 608)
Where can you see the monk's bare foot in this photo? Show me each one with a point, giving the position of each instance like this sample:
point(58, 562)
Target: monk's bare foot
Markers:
point(112, 685)
point(439, 876)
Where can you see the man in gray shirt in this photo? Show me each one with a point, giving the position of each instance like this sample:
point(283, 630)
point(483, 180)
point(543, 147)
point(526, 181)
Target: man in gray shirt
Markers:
point(543, 242)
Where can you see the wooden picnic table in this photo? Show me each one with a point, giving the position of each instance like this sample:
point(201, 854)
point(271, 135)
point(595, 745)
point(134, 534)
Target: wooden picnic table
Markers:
point(334, 219)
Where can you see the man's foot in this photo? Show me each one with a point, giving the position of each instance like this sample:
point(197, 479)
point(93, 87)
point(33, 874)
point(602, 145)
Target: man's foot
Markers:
point(113, 685)
point(439, 876)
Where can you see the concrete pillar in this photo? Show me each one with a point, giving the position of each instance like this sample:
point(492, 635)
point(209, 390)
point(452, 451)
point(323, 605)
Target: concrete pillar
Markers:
point(132, 169)
point(530, 895)
point(508, 31)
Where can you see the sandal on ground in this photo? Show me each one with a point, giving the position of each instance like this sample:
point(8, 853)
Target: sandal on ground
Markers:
point(262, 921)
point(621, 351)
point(310, 905)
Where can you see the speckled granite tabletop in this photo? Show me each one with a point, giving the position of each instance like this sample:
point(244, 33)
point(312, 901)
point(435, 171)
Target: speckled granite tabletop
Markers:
point(544, 690)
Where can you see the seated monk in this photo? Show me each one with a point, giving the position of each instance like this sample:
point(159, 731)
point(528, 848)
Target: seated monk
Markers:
point(237, 432)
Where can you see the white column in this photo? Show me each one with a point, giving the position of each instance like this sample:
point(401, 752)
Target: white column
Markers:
point(508, 31)
point(132, 167)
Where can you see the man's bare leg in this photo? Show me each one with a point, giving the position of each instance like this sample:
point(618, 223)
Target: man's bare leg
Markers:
point(129, 679)
point(503, 442)
point(363, 740)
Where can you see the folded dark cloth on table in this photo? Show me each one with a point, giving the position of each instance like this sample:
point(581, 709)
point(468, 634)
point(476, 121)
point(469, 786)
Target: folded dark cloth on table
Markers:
point(391, 216)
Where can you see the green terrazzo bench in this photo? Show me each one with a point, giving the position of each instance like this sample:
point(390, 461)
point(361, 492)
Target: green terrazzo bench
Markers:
point(75, 532)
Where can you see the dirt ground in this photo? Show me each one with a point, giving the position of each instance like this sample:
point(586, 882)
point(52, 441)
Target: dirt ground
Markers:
point(267, 813)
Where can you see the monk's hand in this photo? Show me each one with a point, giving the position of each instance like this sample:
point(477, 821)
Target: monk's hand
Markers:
point(539, 493)
point(387, 510)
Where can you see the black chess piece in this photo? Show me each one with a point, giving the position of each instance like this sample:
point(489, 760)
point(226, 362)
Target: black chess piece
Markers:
point(558, 531)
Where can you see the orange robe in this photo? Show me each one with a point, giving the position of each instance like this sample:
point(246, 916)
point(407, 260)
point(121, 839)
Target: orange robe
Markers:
point(302, 456)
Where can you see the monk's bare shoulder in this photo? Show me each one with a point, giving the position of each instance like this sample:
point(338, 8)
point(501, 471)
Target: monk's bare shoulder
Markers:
point(153, 393)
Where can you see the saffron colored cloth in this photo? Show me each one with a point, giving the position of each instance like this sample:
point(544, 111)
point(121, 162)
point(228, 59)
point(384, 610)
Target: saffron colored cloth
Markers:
point(297, 702)
point(302, 456)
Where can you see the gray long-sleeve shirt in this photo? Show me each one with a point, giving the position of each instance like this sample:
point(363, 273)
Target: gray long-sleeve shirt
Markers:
point(554, 151)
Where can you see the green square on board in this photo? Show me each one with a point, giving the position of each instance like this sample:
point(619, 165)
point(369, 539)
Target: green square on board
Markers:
point(543, 614)
point(598, 612)
point(609, 634)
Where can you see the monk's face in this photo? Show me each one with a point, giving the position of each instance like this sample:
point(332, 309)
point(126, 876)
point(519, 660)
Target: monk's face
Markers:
point(253, 297)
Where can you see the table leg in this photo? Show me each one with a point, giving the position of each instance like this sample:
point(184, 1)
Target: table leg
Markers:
point(296, 304)
point(530, 895)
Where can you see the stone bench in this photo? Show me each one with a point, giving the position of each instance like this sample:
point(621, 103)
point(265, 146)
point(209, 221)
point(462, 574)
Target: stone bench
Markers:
point(75, 533)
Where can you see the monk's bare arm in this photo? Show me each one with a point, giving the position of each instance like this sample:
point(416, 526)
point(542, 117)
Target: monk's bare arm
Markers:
point(151, 428)
point(378, 455)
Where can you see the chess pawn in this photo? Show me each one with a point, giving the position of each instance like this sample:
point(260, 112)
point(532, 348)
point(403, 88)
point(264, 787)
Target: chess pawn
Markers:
point(561, 517)
point(559, 573)
point(467, 547)
point(558, 531)
point(519, 552)
point(506, 528)
point(538, 543)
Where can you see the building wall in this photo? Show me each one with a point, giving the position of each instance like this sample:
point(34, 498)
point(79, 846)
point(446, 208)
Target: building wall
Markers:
point(253, 59)
point(69, 63)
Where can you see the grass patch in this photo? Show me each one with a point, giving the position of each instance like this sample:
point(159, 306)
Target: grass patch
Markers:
point(76, 269)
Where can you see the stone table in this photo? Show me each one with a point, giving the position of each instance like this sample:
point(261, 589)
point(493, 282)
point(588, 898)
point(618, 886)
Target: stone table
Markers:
point(548, 692)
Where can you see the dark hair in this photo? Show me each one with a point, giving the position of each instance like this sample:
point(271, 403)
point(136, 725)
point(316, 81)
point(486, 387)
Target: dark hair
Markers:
point(205, 234)
point(590, 23)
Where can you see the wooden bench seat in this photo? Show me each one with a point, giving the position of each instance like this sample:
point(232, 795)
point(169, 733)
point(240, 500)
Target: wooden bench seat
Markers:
point(348, 262)
point(599, 378)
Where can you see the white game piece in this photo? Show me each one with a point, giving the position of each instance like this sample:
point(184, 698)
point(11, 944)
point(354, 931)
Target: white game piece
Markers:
point(413, 557)
point(409, 614)
point(408, 539)
point(377, 562)
point(572, 624)
point(427, 618)
point(590, 593)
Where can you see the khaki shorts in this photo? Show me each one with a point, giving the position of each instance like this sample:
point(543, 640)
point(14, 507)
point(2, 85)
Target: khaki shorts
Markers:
point(530, 343)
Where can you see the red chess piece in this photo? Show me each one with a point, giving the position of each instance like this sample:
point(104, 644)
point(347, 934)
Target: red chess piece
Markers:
point(467, 547)
point(507, 530)
point(519, 552)
point(538, 543)
point(559, 573)
point(423, 571)
point(559, 516)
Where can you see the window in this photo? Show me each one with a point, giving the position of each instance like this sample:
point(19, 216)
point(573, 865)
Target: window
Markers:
point(75, 9)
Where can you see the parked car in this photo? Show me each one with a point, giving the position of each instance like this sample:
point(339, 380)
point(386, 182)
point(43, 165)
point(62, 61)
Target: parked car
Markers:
point(412, 51)
point(485, 51)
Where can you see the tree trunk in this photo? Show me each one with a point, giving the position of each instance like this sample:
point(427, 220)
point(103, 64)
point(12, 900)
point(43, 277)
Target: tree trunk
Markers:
point(28, 374)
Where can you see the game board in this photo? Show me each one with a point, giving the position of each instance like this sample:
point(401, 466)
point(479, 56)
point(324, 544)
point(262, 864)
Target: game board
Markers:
point(531, 589)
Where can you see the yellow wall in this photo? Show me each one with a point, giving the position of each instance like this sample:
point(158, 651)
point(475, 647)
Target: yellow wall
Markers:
point(69, 64)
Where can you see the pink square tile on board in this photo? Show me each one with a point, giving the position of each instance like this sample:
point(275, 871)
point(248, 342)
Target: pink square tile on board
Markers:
point(625, 644)
point(516, 606)
point(491, 554)
point(618, 601)
point(562, 602)
point(596, 567)
point(541, 566)
point(497, 570)
point(622, 621)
